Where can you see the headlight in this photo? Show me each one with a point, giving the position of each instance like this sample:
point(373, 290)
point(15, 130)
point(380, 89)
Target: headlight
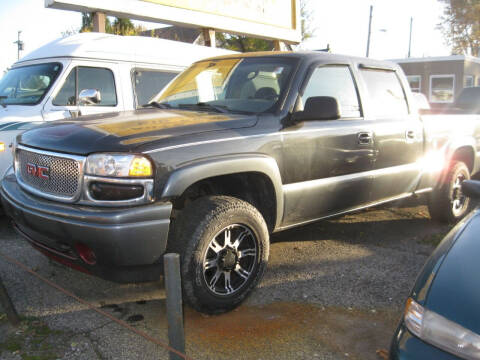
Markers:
point(3, 147)
point(118, 165)
point(441, 332)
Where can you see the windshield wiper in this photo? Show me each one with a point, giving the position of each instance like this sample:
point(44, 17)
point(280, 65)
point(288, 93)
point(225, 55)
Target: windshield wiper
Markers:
point(205, 106)
point(1, 102)
point(157, 105)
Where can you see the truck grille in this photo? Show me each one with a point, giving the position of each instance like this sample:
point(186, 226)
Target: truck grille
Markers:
point(60, 177)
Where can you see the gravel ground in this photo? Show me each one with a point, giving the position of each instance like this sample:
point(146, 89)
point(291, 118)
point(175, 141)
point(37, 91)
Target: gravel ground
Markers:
point(333, 290)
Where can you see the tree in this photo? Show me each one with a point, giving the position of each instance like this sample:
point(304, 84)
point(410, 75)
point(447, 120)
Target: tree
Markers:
point(125, 27)
point(306, 21)
point(119, 26)
point(460, 26)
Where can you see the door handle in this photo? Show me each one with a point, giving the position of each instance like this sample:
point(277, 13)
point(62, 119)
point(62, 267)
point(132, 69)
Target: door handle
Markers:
point(365, 138)
point(410, 135)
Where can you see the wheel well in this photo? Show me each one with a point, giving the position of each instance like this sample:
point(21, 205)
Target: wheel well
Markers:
point(466, 155)
point(252, 187)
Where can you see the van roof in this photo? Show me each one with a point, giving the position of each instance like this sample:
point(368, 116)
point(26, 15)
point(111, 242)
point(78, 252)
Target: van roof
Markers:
point(124, 48)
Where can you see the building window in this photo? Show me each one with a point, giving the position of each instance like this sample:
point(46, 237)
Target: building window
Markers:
point(468, 81)
point(415, 82)
point(442, 88)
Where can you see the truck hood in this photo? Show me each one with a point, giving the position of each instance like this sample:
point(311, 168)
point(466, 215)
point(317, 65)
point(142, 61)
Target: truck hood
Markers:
point(128, 131)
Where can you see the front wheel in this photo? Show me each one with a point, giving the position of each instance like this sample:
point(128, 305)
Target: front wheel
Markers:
point(223, 243)
point(447, 203)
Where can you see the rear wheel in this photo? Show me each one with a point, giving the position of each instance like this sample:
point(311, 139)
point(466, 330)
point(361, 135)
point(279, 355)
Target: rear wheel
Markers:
point(223, 243)
point(447, 203)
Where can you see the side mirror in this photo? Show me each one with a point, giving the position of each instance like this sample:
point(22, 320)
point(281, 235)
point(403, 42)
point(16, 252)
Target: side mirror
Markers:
point(471, 188)
point(319, 108)
point(89, 97)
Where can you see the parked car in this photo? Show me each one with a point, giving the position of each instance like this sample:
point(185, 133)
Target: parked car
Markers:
point(240, 146)
point(86, 74)
point(442, 317)
point(469, 100)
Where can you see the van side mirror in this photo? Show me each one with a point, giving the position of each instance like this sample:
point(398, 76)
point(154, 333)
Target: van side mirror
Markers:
point(89, 97)
point(319, 108)
point(471, 188)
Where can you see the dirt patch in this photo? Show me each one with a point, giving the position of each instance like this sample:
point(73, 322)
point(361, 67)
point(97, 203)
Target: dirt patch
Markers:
point(255, 332)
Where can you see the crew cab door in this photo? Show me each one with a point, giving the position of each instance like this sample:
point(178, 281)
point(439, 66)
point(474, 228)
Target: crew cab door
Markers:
point(84, 75)
point(328, 162)
point(398, 135)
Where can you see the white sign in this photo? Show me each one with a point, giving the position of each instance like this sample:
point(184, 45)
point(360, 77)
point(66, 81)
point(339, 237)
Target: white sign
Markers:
point(268, 19)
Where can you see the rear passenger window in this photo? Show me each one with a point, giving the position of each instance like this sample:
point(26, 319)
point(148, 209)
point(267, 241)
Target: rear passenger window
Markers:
point(81, 78)
point(148, 83)
point(386, 93)
point(337, 82)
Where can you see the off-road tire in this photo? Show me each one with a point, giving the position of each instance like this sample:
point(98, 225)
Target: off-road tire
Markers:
point(441, 200)
point(191, 236)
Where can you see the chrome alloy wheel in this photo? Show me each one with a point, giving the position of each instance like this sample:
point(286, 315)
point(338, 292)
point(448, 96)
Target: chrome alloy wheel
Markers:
point(459, 200)
point(230, 260)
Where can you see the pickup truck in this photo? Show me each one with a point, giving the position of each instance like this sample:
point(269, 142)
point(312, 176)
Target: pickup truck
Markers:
point(234, 149)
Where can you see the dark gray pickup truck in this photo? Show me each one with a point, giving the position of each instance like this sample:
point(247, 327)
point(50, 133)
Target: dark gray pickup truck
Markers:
point(235, 148)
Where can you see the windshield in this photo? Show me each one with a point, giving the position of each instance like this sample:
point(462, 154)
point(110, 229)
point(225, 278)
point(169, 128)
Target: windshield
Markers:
point(28, 84)
point(251, 85)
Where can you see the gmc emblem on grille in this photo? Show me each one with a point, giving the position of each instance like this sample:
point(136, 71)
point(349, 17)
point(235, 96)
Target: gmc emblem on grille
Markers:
point(41, 172)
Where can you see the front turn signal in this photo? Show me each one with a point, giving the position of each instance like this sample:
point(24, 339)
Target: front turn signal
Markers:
point(140, 166)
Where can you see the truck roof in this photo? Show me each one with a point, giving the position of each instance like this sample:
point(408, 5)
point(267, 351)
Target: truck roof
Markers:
point(123, 48)
point(317, 55)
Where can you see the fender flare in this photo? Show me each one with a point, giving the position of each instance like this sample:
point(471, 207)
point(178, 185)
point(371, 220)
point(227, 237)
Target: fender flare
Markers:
point(182, 178)
point(460, 143)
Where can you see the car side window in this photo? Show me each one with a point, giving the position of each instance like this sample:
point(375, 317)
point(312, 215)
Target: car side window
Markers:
point(148, 83)
point(386, 93)
point(335, 81)
point(83, 77)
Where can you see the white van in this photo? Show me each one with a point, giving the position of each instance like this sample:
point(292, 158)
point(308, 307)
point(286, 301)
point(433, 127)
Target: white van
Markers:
point(88, 73)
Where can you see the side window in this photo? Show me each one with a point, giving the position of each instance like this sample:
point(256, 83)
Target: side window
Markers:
point(148, 83)
point(66, 96)
point(386, 93)
point(100, 79)
point(88, 78)
point(337, 82)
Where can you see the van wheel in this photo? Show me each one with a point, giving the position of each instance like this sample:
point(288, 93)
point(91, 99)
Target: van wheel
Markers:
point(223, 244)
point(447, 203)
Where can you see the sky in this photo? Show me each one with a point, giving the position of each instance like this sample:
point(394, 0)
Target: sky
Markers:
point(341, 23)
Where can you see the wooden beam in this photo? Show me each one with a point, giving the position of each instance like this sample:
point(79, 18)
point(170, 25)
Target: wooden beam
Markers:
point(99, 19)
point(209, 37)
point(276, 45)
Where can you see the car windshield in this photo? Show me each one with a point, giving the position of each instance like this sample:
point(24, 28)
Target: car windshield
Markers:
point(27, 85)
point(249, 85)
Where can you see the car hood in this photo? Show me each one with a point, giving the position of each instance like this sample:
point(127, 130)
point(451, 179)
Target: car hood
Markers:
point(455, 292)
point(128, 131)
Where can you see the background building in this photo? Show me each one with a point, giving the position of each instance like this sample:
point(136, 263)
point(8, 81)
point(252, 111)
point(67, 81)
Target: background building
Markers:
point(441, 79)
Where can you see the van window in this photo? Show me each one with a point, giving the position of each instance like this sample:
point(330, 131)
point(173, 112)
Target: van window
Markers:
point(337, 82)
point(148, 83)
point(386, 94)
point(27, 85)
point(81, 78)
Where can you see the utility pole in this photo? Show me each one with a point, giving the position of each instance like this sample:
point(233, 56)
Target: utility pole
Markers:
point(369, 30)
point(410, 39)
point(19, 43)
